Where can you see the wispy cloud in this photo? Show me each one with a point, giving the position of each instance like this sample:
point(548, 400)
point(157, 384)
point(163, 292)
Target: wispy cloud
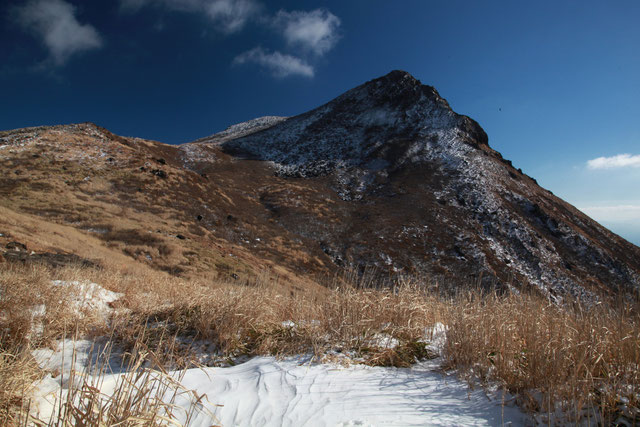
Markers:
point(55, 22)
point(310, 34)
point(619, 161)
point(232, 14)
point(279, 64)
point(614, 213)
point(229, 16)
point(315, 31)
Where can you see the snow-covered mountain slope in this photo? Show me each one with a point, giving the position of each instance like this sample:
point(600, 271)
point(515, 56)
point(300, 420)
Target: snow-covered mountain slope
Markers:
point(243, 129)
point(428, 195)
point(354, 128)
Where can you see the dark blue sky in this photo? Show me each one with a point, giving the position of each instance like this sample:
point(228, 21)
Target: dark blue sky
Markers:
point(554, 84)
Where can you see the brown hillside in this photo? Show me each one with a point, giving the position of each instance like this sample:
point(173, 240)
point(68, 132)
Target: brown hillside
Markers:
point(385, 177)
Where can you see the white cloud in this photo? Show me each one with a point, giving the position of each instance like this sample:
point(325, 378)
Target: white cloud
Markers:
point(616, 214)
point(315, 31)
point(619, 161)
point(55, 22)
point(229, 16)
point(279, 64)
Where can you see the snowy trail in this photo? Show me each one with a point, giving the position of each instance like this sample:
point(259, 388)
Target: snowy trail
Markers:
point(265, 391)
point(268, 392)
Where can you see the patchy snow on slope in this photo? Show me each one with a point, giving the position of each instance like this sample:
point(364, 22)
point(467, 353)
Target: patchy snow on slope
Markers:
point(251, 126)
point(196, 152)
point(192, 154)
point(84, 143)
point(89, 297)
point(244, 128)
point(85, 298)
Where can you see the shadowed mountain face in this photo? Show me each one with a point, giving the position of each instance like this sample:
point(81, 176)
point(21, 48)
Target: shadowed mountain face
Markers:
point(386, 175)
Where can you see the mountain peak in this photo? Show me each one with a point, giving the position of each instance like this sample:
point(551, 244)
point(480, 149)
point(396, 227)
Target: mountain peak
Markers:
point(431, 194)
point(390, 121)
point(399, 76)
point(400, 90)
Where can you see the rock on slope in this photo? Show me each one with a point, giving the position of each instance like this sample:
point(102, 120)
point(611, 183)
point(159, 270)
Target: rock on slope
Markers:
point(426, 194)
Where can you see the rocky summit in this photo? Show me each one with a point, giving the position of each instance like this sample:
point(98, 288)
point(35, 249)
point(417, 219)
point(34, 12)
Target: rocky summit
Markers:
point(385, 177)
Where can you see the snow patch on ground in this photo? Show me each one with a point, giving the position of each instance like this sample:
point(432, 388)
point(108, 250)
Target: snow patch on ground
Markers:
point(86, 299)
point(268, 392)
point(69, 359)
point(89, 297)
point(296, 392)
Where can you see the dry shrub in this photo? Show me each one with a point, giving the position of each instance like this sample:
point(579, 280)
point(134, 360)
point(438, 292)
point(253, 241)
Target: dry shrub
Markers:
point(18, 372)
point(261, 319)
point(131, 236)
point(32, 309)
point(585, 359)
point(165, 250)
point(402, 356)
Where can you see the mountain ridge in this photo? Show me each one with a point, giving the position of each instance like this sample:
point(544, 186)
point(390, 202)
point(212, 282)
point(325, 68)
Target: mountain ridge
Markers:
point(385, 176)
point(393, 123)
point(396, 103)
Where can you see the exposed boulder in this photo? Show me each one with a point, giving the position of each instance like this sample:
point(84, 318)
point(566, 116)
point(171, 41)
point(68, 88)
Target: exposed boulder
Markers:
point(16, 246)
point(159, 173)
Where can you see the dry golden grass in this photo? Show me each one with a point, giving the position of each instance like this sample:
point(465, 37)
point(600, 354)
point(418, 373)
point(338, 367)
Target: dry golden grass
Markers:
point(18, 372)
point(264, 318)
point(25, 292)
point(584, 359)
point(139, 397)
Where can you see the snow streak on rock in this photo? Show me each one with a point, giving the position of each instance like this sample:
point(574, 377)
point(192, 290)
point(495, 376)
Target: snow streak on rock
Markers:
point(244, 128)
